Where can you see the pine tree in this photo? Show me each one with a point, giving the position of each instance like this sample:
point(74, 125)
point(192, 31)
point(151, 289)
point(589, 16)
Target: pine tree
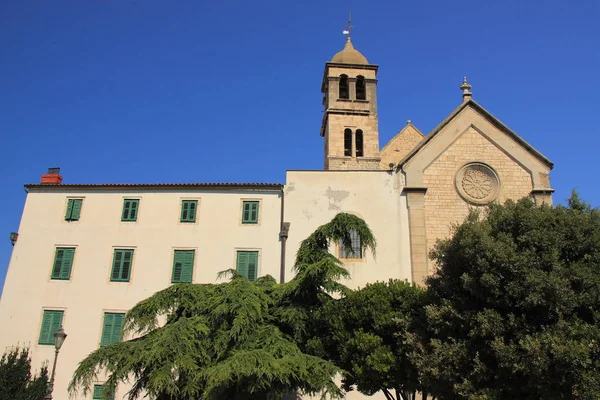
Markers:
point(16, 380)
point(240, 339)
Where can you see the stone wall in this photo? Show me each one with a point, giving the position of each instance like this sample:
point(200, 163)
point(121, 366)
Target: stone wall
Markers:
point(443, 204)
point(400, 145)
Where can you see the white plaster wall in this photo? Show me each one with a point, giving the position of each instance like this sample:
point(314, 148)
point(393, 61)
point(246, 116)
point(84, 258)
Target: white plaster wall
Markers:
point(313, 198)
point(28, 289)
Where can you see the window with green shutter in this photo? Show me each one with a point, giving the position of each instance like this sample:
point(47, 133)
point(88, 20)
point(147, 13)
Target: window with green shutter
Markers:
point(121, 267)
point(73, 209)
point(183, 266)
point(130, 210)
point(112, 328)
point(247, 264)
point(51, 322)
point(63, 261)
point(188, 210)
point(250, 212)
point(99, 392)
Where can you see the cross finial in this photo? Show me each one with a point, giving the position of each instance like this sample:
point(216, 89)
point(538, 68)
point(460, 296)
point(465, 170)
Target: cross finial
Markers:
point(348, 26)
point(466, 88)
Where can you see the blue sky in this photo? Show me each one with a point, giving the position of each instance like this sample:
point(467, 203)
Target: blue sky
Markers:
point(229, 91)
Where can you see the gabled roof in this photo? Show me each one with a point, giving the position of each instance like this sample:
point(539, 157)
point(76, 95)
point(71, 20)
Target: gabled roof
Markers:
point(407, 126)
point(495, 121)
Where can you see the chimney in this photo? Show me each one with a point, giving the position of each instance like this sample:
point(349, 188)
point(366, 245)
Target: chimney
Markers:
point(52, 177)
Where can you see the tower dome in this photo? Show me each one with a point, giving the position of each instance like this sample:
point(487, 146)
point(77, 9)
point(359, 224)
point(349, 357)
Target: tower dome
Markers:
point(349, 55)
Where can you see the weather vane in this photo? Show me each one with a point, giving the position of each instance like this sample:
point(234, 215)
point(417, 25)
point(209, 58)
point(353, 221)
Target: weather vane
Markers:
point(349, 26)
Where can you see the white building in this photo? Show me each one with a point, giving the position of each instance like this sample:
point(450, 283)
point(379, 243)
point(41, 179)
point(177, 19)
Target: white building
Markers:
point(86, 254)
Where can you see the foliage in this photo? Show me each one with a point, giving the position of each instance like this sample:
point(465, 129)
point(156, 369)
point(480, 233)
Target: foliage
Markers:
point(365, 334)
point(240, 339)
point(514, 308)
point(16, 380)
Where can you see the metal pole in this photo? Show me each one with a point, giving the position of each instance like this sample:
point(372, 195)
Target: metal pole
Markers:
point(51, 386)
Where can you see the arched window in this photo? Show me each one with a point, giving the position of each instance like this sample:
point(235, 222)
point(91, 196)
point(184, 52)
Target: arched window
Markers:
point(359, 143)
point(355, 249)
point(361, 92)
point(347, 142)
point(344, 90)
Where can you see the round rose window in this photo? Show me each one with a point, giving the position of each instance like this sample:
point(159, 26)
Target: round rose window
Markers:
point(477, 183)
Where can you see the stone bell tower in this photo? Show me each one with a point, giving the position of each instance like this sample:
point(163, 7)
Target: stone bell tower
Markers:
point(350, 126)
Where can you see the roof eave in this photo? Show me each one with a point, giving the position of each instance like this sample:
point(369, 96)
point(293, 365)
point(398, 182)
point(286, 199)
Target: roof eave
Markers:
point(491, 118)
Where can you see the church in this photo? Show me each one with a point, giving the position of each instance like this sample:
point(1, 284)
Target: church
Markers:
point(86, 253)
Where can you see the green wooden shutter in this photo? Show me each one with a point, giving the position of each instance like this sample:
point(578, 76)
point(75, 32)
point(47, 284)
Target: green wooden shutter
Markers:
point(69, 210)
point(254, 211)
point(133, 210)
point(76, 209)
point(242, 263)
point(250, 212)
point(51, 322)
point(116, 271)
point(192, 211)
point(58, 261)
point(125, 215)
point(107, 329)
point(246, 213)
point(130, 210)
point(188, 210)
point(177, 267)
point(98, 392)
point(188, 266)
point(126, 265)
point(252, 265)
point(117, 328)
point(67, 263)
point(63, 261)
point(184, 211)
point(121, 270)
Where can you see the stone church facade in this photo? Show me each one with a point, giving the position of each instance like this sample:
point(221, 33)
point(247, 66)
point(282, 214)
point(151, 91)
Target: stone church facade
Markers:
point(87, 253)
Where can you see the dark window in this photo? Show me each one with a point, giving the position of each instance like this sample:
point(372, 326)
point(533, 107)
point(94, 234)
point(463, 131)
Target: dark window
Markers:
point(347, 142)
point(344, 90)
point(355, 250)
point(359, 143)
point(361, 93)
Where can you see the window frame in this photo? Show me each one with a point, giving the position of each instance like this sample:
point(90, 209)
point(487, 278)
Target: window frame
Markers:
point(249, 222)
point(125, 209)
point(74, 206)
point(121, 262)
point(112, 334)
point(191, 273)
point(60, 276)
point(239, 251)
point(188, 220)
point(48, 340)
point(341, 252)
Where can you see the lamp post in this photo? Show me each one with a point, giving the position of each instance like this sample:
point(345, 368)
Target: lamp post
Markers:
point(59, 339)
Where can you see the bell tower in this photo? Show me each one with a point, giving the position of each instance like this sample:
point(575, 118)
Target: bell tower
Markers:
point(350, 125)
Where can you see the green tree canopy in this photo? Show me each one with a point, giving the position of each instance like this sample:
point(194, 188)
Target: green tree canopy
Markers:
point(365, 334)
point(514, 307)
point(240, 339)
point(16, 380)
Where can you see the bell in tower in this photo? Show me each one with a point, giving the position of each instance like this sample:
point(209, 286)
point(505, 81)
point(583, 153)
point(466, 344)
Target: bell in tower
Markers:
point(350, 125)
